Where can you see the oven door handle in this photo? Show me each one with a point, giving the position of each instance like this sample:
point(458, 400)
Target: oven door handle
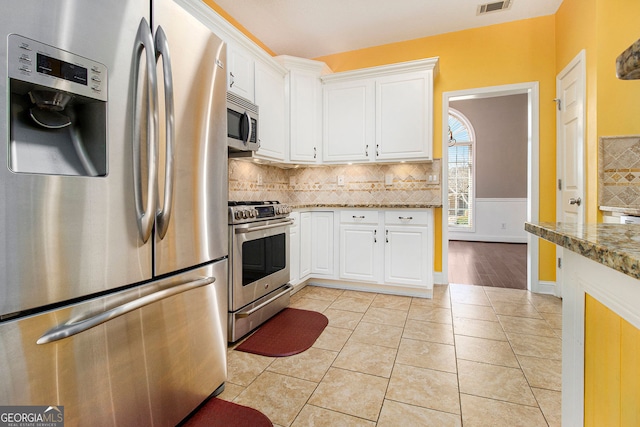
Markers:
point(263, 227)
point(248, 313)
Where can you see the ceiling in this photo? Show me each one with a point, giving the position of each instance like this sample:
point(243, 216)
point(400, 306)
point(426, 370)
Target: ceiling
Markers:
point(314, 28)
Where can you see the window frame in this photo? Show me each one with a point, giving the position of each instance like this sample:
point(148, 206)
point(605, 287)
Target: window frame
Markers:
point(459, 116)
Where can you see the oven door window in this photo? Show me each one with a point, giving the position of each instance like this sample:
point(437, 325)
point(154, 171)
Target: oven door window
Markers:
point(262, 257)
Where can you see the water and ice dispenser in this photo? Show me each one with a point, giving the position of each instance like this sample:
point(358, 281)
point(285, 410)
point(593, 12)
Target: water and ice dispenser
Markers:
point(58, 111)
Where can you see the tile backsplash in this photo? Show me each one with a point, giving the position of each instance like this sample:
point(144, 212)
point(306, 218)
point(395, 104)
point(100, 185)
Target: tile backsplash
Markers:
point(619, 171)
point(339, 184)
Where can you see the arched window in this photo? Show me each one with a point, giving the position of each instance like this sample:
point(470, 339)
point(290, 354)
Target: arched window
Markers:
point(461, 172)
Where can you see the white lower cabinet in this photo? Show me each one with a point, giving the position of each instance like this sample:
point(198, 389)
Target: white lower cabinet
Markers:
point(322, 244)
point(406, 255)
point(408, 237)
point(294, 248)
point(305, 245)
point(391, 248)
point(361, 249)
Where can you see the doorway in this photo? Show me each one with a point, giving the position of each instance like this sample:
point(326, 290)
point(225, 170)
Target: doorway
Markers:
point(530, 91)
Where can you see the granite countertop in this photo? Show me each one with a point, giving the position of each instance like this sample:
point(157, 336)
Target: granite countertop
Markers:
point(623, 210)
point(367, 205)
point(614, 245)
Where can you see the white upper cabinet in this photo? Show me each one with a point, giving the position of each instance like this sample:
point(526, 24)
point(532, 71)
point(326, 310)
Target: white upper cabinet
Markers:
point(404, 116)
point(240, 72)
point(348, 115)
point(379, 114)
point(270, 98)
point(304, 95)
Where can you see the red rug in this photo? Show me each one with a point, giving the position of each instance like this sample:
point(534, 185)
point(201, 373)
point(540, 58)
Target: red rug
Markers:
point(220, 413)
point(289, 332)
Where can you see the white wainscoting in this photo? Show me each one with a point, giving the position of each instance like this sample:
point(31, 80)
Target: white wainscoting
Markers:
point(496, 220)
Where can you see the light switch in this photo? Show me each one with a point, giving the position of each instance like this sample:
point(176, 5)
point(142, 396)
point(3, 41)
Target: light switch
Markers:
point(341, 180)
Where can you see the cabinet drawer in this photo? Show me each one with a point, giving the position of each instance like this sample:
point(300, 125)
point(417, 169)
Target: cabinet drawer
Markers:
point(359, 217)
point(406, 217)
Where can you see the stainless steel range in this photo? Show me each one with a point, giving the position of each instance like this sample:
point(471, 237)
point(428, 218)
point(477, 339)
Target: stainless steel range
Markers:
point(259, 264)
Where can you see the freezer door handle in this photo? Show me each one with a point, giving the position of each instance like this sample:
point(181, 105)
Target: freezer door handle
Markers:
point(145, 215)
point(74, 327)
point(163, 215)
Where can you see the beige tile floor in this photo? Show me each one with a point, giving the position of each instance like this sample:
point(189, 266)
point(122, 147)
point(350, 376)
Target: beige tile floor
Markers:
point(471, 356)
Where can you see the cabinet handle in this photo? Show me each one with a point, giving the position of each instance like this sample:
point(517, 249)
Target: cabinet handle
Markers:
point(375, 233)
point(377, 150)
point(358, 217)
point(409, 218)
point(366, 151)
point(232, 79)
point(386, 236)
point(314, 152)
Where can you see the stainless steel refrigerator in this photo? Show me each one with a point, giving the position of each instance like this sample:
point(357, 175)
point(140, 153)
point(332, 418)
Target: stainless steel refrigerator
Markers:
point(113, 195)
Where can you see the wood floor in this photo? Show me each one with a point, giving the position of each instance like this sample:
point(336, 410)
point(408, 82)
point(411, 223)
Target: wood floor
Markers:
point(502, 265)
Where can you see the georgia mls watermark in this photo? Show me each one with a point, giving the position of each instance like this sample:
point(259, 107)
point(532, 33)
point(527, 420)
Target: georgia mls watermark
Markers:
point(31, 416)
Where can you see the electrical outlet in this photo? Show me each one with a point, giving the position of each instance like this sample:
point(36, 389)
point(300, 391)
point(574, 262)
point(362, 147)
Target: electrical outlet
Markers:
point(259, 180)
point(388, 179)
point(341, 180)
point(503, 226)
point(433, 179)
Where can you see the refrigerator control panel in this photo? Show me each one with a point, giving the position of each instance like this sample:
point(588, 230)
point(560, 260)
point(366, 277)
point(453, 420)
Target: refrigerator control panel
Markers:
point(38, 63)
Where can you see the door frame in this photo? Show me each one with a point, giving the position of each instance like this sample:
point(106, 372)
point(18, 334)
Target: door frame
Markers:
point(580, 62)
point(533, 162)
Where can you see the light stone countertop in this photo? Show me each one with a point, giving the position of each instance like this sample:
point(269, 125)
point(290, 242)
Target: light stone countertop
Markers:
point(367, 206)
point(623, 210)
point(613, 245)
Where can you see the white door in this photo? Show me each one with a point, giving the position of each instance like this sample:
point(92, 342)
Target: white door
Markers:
point(570, 124)
point(348, 117)
point(359, 252)
point(322, 243)
point(407, 257)
point(269, 90)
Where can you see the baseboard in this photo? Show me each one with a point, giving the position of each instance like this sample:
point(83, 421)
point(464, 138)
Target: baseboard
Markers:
point(439, 278)
point(544, 287)
point(470, 237)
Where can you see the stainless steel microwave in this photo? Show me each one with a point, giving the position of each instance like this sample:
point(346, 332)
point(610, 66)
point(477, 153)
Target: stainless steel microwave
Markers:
point(242, 124)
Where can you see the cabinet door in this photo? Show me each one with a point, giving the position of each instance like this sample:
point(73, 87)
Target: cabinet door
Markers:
point(348, 115)
point(404, 116)
point(241, 77)
point(360, 253)
point(304, 144)
point(408, 259)
point(270, 98)
point(305, 244)
point(322, 243)
point(294, 248)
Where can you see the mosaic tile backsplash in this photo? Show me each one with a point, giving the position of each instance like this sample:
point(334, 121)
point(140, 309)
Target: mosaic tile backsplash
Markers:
point(619, 172)
point(318, 185)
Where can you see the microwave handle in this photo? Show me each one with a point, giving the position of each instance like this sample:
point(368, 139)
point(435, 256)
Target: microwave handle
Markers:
point(246, 119)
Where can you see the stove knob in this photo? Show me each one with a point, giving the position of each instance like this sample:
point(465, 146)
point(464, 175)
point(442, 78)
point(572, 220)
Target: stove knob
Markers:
point(245, 214)
point(277, 210)
point(238, 215)
point(287, 209)
point(253, 213)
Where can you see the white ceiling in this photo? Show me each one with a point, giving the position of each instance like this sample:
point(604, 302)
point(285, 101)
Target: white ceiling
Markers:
point(313, 28)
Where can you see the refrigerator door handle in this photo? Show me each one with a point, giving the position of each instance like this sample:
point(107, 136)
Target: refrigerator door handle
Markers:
point(163, 215)
point(145, 215)
point(74, 327)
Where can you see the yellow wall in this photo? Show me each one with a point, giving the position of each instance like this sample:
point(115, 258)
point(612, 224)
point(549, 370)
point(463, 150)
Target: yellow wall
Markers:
point(612, 368)
point(604, 28)
point(515, 52)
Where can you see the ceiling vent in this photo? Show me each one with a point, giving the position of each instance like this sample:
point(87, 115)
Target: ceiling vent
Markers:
point(494, 7)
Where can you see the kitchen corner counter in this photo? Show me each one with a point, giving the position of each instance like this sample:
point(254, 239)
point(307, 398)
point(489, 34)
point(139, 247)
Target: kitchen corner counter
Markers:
point(366, 205)
point(613, 245)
